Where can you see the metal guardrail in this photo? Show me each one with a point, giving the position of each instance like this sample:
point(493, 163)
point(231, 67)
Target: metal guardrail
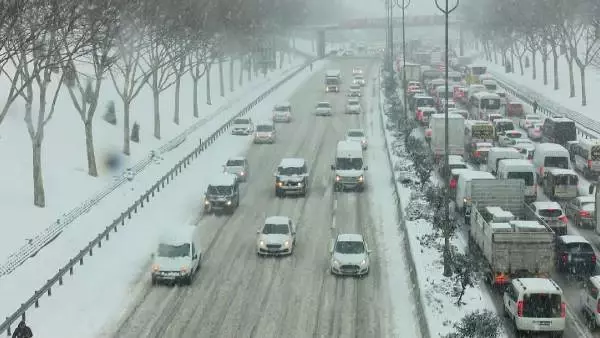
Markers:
point(586, 127)
point(423, 326)
point(141, 202)
point(41, 240)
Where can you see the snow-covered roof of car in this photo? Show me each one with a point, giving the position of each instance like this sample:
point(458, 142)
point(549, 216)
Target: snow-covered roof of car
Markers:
point(458, 171)
point(483, 145)
point(513, 131)
point(551, 147)
point(541, 285)
point(455, 159)
point(532, 117)
point(427, 109)
point(283, 104)
point(350, 238)
point(474, 174)
point(223, 179)
point(546, 205)
point(355, 131)
point(568, 239)
point(501, 120)
point(292, 162)
point(587, 198)
point(236, 158)
point(321, 103)
point(277, 220)
point(560, 171)
point(516, 162)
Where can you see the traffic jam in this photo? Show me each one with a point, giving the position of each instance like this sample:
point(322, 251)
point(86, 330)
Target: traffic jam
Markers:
point(519, 184)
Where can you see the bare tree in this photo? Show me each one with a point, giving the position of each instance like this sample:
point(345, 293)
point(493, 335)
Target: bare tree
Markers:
point(197, 60)
point(178, 62)
point(99, 22)
point(126, 74)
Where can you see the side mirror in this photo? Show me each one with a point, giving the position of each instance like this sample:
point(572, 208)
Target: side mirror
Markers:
point(332, 167)
point(366, 167)
point(258, 232)
point(369, 251)
point(591, 189)
point(195, 256)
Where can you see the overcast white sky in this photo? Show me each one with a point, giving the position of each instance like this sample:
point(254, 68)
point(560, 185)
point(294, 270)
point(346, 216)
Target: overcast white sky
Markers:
point(376, 8)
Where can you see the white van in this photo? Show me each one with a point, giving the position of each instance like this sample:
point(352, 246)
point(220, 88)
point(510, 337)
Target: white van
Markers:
point(535, 305)
point(590, 301)
point(549, 155)
point(463, 187)
point(349, 166)
point(177, 258)
point(496, 154)
point(519, 169)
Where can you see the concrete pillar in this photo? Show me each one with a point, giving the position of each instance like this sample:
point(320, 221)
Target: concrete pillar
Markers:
point(461, 40)
point(321, 43)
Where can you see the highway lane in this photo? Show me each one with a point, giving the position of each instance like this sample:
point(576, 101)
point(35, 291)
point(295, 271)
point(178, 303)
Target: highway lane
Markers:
point(236, 293)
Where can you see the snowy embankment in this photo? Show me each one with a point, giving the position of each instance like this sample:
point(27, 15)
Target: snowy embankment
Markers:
point(438, 294)
point(400, 269)
point(66, 181)
point(100, 290)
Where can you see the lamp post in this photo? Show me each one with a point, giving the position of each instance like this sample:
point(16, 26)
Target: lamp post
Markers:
point(390, 35)
point(447, 255)
point(404, 6)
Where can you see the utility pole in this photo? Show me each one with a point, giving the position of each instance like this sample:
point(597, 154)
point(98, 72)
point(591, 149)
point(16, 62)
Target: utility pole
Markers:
point(405, 4)
point(447, 254)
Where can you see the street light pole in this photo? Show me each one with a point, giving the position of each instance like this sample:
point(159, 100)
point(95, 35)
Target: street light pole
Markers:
point(391, 36)
point(447, 271)
point(405, 4)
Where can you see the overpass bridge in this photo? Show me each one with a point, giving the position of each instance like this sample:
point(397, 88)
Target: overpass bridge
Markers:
point(376, 23)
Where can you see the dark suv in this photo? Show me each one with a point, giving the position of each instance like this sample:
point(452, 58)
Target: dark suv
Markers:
point(222, 194)
point(575, 255)
point(291, 177)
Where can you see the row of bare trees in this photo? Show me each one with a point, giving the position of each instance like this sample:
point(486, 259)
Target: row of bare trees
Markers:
point(45, 44)
point(549, 29)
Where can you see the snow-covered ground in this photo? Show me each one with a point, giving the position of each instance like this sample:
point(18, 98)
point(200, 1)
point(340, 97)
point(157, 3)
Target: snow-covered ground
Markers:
point(64, 159)
point(437, 291)
point(384, 212)
point(560, 96)
point(100, 290)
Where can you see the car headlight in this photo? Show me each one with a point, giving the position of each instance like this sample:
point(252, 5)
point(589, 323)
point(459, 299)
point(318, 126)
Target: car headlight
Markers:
point(242, 173)
point(261, 243)
point(337, 178)
point(363, 262)
point(336, 262)
point(299, 185)
point(279, 184)
point(155, 268)
point(206, 202)
point(184, 269)
point(286, 244)
point(361, 178)
point(228, 202)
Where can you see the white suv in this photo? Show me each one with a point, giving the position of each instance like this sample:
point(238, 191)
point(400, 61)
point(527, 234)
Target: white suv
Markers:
point(535, 305)
point(349, 255)
point(242, 126)
point(265, 133)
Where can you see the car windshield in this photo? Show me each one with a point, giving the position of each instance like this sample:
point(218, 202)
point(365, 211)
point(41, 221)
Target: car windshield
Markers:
point(556, 162)
point(595, 153)
point(550, 213)
point(503, 126)
point(525, 176)
point(171, 251)
point(282, 108)
point(276, 229)
point(490, 103)
point(235, 163)
point(349, 163)
point(289, 171)
point(566, 180)
point(241, 121)
point(348, 247)
point(323, 105)
point(355, 133)
point(264, 128)
point(353, 103)
point(580, 248)
point(541, 305)
point(219, 190)
point(332, 81)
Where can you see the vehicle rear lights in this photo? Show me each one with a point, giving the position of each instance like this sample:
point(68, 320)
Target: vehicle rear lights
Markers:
point(563, 310)
point(453, 184)
point(520, 305)
point(477, 153)
point(563, 219)
point(584, 213)
point(594, 259)
point(589, 164)
point(564, 258)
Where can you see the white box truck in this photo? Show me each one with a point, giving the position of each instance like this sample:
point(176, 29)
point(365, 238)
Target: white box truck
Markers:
point(349, 167)
point(456, 132)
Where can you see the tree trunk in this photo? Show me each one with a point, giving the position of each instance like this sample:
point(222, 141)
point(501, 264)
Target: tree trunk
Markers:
point(571, 77)
point(555, 67)
point(177, 90)
point(195, 95)
point(221, 79)
point(208, 100)
point(447, 256)
point(241, 80)
point(495, 57)
point(231, 67)
point(512, 63)
point(281, 59)
point(39, 195)
point(126, 141)
point(156, 104)
point(583, 93)
point(89, 149)
point(545, 69)
point(521, 65)
point(250, 66)
point(533, 64)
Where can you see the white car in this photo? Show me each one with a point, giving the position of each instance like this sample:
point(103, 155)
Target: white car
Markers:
point(507, 138)
point(353, 106)
point(535, 131)
point(462, 112)
point(359, 80)
point(349, 255)
point(528, 121)
point(265, 133)
point(276, 237)
point(282, 113)
point(237, 166)
point(354, 93)
point(525, 149)
point(357, 135)
point(357, 70)
point(242, 126)
point(323, 109)
point(553, 214)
